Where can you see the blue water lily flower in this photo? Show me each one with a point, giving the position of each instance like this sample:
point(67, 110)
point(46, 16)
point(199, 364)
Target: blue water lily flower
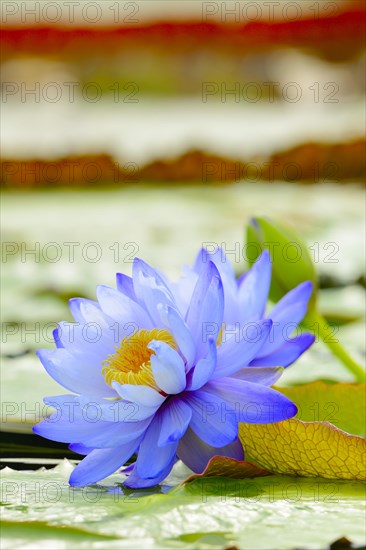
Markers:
point(168, 370)
point(245, 305)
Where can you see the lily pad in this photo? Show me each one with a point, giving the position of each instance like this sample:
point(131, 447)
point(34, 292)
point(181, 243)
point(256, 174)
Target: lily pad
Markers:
point(40, 510)
point(307, 449)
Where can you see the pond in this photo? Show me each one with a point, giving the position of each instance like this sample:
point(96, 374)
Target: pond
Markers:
point(63, 243)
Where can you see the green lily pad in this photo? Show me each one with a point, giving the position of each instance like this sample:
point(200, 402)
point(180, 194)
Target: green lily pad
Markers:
point(39, 508)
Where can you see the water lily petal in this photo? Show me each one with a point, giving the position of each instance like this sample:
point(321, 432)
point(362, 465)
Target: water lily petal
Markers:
point(134, 481)
point(80, 448)
point(88, 311)
point(89, 422)
point(152, 459)
point(286, 315)
point(125, 285)
point(218, 257)
point(210, 420)
point(122, 309)
point(247, 402)
point(298, 295)
point(141, 395)
point(75, 374)
point(205, 313)
point(176, 416)
point(239, 351)
point(90, 341)
point(57, 337)
point(115, 433)
point(101, 463)
point(202, 372)
point(195, 453)
point(254, 288)
point(183, 289)
point(65, 431)
point(151, 290)
point(181, 334)
point(259, 375)
point(167, 367)
point(287, 353)
point(126, 411)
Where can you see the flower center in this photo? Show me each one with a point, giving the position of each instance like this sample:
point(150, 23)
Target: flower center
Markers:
point(131, 363)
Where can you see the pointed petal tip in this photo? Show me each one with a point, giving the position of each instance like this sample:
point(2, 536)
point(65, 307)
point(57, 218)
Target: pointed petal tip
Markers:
point(302, 291)
point(308, 286)
point(265, 255)
point(74, 481)
point(74, 302)
point(140, 264)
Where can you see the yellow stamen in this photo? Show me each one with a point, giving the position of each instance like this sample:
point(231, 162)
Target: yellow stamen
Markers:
point(220, 335)
point(131, 363)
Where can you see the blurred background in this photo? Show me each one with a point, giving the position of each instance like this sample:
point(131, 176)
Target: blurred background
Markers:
point(150, 128)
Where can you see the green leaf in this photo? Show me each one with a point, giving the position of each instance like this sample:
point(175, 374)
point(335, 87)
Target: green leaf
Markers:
point(342, 404)
point(221, 466)
point(208, 512)
point(27, 531)
point(310, 449)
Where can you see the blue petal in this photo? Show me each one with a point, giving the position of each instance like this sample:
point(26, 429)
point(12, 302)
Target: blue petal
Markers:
point(240, 350)
point(134, 481)
point(212, 420)
point(196, 454)
point(152, 459)
point(83, 421)
point(266, 376)
point(129, 468)
point(151, 290)
point(248, 402)
point(167, 367)
point(286, 354)
point(121, 308)
point(181, 334)
point(202, 372)
point(92, 342)
point(205, 313)
point(101, 463)
point(73, 407)
point(80, 448)
point(65, 431)
point(87, 311)
point(176, 416)
point(183, 289)
point(56, 336)
point(127, 411)
point(218, 257)
point(75, 374)
point(286, 315)
point(74, 306)
point(298, 295)
point(125, 285)
point(117, 433)
point(139, 394)
point(254, 288)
